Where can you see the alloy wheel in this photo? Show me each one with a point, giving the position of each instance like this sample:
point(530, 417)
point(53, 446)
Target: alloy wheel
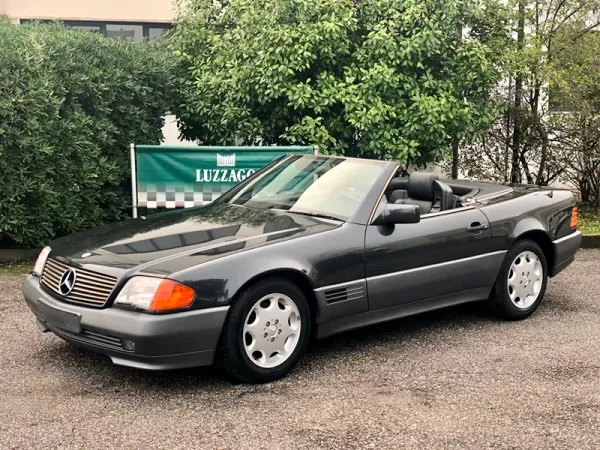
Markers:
point(271, 330)
point(525, 279)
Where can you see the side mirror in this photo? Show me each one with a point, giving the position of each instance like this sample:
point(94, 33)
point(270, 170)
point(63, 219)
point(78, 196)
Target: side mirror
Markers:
point(393, 214)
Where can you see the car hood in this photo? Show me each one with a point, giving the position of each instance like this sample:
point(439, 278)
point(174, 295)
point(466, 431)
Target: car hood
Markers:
point(212, 231)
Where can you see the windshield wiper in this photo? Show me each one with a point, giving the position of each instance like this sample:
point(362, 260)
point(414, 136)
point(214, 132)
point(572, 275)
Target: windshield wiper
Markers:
point(322, 216)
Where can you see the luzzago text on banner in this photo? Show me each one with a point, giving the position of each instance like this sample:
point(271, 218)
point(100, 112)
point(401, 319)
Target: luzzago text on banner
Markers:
point(186, 176)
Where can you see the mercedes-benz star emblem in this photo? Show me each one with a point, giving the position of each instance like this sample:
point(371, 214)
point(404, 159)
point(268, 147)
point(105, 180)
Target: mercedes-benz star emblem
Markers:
point(67, 281)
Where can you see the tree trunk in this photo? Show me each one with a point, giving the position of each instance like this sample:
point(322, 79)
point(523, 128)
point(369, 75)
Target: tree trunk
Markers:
point(454, 174)
point(539, 180)
point(515, 173)
point(455, 139)
point(584, 191)
point(508, 125)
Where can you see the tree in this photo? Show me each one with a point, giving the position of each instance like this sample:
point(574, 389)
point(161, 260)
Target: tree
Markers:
point(71, 103)
point(546, 33)
point(575, 141)
point(399, 79)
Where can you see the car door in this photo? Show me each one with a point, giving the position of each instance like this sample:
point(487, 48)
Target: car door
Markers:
point(445, 254)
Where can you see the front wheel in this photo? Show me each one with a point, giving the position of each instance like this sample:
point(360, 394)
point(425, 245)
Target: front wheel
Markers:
point(521, 282)
point(266, 332)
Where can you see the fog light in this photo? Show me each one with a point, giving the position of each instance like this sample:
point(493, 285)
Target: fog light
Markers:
point(128, 345)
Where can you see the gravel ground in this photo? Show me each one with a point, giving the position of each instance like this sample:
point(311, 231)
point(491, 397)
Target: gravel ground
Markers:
point(450, 379)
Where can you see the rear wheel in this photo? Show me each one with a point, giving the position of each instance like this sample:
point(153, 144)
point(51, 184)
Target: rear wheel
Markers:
point(521, 282)
point(266, 332)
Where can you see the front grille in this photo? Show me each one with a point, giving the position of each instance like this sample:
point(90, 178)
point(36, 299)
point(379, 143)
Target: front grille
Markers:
point(91, 288)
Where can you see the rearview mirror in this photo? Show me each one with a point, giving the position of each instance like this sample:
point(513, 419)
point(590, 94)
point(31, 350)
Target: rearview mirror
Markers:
point(393, 214)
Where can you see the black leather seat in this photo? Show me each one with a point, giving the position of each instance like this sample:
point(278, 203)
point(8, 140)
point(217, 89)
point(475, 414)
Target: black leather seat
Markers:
point(398, 194)
point(421, 191)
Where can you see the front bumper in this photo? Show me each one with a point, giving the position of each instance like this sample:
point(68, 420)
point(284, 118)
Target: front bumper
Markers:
point(564, 251)
point(129, 338)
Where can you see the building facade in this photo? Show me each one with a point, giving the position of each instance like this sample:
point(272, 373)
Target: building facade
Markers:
point(129, 18)
point(135, 19)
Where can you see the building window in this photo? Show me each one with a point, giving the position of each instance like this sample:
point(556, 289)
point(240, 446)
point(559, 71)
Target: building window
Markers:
point(137, 31)
point(126, 31)
point(156, 33)
point(93, 28)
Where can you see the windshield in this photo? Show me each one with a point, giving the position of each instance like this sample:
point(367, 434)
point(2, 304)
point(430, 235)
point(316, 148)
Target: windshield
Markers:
point(315, 185)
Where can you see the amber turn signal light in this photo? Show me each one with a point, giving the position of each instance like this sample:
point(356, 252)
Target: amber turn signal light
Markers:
point(574, 218)
point(171, 295)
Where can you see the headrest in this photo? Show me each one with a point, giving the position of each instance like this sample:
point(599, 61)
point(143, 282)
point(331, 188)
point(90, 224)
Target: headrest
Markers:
point(421, 185)
point(397, 183)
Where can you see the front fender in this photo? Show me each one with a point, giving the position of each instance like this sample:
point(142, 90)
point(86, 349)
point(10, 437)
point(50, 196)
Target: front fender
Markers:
point(261, 266)
point(218, 282)
point(322, 259)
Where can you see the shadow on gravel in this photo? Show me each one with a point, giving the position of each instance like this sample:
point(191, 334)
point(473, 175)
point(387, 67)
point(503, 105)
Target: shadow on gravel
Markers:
point(94, 371)
point(91, 372)
point(470, 315)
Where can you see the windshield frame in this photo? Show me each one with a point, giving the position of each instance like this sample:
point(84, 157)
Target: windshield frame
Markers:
point(362, 213)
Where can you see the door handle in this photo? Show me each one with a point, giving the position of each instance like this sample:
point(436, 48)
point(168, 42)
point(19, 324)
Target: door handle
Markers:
point(476, 226)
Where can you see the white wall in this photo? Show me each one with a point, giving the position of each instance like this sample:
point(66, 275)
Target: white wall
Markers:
point(102, 10)
point(171, 133)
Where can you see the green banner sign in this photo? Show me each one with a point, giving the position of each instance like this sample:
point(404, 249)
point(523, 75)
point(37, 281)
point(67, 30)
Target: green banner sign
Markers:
point(184, 176)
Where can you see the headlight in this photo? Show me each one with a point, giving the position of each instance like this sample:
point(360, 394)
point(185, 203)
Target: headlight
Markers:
point(41, 260)
point(155, 294)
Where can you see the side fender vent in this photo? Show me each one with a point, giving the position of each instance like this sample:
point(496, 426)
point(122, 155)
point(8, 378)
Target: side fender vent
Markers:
point(341, 300)
point(346, 293)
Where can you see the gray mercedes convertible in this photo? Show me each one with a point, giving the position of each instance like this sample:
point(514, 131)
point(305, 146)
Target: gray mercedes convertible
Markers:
point(307, 247)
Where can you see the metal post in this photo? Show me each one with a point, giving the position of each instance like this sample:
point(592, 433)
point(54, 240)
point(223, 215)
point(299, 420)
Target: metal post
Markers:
point(134, 211)
point(316, 150)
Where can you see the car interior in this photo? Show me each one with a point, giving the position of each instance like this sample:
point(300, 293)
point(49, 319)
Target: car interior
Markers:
point(425, 190)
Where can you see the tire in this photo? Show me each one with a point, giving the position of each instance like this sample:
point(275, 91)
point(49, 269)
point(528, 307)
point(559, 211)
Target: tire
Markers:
point(253, 348)
point(519, 297)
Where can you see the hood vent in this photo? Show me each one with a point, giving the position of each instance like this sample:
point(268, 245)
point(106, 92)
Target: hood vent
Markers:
point(346, 293)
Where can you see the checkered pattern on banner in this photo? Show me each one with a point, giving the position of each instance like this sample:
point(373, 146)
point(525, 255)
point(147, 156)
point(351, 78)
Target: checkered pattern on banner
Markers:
point(161, 195)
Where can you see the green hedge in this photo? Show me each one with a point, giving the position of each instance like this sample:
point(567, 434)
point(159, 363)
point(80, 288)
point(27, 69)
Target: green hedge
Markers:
point(70, 104)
